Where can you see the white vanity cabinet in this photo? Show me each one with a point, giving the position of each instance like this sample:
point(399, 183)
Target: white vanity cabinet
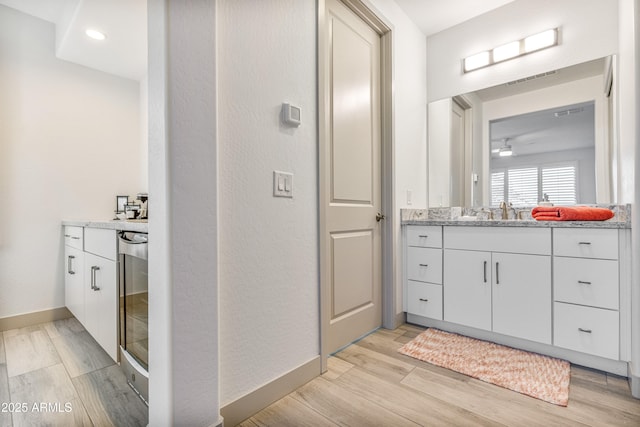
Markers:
point(423, 296)
point(586, 297)
point(499, 279)
point(74, 271)
point(562, 289)
point(91, 283)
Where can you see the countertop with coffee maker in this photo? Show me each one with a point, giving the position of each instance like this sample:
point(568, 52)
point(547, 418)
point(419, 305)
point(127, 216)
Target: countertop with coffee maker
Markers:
point(130, 215)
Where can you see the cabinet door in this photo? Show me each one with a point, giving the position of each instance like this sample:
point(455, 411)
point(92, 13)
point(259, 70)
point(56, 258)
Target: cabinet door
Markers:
point(101, 302)
point(74, 281)
point(522, 296)
point(467, 288)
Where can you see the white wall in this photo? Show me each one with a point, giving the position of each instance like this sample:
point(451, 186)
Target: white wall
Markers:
point(69, 143)
point(589, 30)
point(410, 120)
point(269, 316)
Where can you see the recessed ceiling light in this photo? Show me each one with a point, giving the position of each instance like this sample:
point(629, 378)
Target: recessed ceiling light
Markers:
point(95, 34)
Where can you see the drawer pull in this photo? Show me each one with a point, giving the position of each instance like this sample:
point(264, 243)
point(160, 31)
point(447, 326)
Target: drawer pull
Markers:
point(497, 273)
point(423, 265)
point(423, 299)
point(584, 243)
point(582, 282)
point(423, 236)
point(74, 237)
point(67, 235)
point(586, 331)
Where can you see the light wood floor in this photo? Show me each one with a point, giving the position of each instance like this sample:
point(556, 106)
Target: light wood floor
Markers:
point(370, 384)
point(56, 374)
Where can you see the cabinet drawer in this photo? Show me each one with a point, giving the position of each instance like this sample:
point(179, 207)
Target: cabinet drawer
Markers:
point(585, 243)
point(592, 282)
point(424, 264)
point(424, 236)
point(73, 236)
point(519, 240)
point(587, 329)
point(101, 242)
point(424, 299)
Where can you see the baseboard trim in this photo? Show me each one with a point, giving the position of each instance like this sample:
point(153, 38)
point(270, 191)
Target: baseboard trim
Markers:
point(239, 410)
point(30, 319)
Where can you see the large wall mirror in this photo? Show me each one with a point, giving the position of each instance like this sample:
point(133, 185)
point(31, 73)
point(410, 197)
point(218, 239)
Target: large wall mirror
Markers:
point(546, 137)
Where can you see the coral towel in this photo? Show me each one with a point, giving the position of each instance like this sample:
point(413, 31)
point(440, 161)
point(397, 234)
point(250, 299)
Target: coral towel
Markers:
point(571, 213)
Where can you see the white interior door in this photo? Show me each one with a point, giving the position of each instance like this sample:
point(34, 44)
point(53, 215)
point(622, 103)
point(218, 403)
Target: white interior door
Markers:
point(350, 174)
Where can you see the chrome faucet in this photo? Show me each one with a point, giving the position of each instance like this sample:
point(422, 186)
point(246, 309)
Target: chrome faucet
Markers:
point(505, 209)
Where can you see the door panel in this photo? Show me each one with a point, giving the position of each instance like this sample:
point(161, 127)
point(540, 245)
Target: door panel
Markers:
point(350, 174)
point(351, 151)
point(522, 296)
point(352, 272)
point(467, 288)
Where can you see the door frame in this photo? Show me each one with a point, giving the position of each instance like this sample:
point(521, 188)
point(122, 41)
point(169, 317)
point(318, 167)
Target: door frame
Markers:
point(374, 19)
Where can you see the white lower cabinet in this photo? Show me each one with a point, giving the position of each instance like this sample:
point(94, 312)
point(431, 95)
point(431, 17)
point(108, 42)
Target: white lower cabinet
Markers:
point(560, 287)
point(467, 288)
point(424, 299)
point(101, 302)
point(521, 296)
point(505, 293)
point(587, 329)
point(74, 281)
point(91, 283)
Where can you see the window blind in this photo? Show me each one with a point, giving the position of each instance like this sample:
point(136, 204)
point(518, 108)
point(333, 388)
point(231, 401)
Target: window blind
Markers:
point(522, 186)
point(526, 186)
point(559, 183)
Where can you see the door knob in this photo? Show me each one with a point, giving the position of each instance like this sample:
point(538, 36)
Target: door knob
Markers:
point(380, 217)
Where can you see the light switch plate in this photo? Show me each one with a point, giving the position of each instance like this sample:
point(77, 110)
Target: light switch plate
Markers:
point(282, 184)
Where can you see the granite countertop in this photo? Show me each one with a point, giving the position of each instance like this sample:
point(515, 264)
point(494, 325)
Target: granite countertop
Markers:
point(440, 217)
point(141, 226)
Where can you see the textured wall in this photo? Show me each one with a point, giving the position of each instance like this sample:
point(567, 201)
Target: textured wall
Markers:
point(69, 143)
point(269, 320)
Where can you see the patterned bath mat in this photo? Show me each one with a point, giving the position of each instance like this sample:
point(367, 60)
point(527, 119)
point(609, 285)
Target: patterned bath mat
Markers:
point(542, 377)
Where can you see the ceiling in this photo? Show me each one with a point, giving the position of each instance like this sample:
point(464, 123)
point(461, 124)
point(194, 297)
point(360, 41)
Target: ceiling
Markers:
point(123, 53)
point(433, 16)
point(564, 128)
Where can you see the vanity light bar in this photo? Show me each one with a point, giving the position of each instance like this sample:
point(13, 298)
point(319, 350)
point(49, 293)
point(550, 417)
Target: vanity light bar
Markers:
point(511, 50)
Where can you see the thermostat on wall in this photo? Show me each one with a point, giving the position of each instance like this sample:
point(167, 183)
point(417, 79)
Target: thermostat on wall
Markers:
point(291, 115)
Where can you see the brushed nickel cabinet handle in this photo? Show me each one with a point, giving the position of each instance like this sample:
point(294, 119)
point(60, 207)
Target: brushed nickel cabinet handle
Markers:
point(485, 272)
point(497, 273)
point(423, 265)
point(67, 235)
point(69, 266)
point(583, 282)
point(423, 299)
point(584, 243)
point(95, 285)
point(587, 331)
point(75, 237)
point(423, 236)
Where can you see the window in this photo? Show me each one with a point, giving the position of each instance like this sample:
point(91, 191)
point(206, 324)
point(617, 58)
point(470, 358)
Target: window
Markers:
point(525, 186)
